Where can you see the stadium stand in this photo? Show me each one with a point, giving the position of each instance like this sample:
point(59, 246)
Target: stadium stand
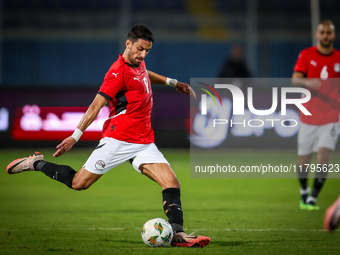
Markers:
point(78, 38)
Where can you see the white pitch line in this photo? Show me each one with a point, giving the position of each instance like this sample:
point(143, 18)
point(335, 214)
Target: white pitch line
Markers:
point(264, 230)
point(108, 229)
point(200, 229)
point(64, 229)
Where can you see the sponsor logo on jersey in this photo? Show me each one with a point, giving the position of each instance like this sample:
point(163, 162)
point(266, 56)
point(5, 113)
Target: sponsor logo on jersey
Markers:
point(337, 67)
point(313, 63)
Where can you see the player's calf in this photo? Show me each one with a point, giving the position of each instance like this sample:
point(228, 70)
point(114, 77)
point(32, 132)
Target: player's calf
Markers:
point(61, 173)
point(173, 208)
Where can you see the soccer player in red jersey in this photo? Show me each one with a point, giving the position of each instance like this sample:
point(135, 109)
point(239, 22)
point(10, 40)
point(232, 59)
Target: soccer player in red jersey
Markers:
point(127, 134)
point(315, 69)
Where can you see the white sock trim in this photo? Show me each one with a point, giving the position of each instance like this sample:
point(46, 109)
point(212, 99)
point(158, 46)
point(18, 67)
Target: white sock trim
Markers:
point(304, 191)
point(311, 199)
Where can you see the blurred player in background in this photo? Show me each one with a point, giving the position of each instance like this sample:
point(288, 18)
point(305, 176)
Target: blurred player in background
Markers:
point(127, 134)
point(235, 66)
point(332, 216)
point(314, 69)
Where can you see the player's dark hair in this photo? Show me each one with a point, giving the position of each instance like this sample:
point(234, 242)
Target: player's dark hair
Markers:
point(140, 31)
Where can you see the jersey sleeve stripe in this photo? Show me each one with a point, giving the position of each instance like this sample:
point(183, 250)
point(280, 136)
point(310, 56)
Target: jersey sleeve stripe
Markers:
point(104, 95)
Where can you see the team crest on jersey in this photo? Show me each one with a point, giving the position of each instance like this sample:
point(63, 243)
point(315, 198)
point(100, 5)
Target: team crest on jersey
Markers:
point(100, 164)
point(336, 67)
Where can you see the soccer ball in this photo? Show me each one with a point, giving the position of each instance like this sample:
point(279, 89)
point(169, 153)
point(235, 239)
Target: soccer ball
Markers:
point(157, 232)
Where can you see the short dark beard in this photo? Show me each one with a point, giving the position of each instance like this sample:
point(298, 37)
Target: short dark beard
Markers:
point(326, 45)
point(133, 62)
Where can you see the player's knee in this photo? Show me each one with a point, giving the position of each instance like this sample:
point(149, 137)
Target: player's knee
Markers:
point(324, 155)
point(79, 185)
point(178, 184)
point(170, 183)
point(304, 160)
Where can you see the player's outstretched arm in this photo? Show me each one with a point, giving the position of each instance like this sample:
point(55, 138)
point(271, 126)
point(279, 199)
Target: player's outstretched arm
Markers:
point(89, 116)
point(298, 79)
point(180, 86)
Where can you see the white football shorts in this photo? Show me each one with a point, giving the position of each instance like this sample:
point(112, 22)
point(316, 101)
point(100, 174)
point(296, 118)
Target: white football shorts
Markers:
point(313, 137)
point(111, 153)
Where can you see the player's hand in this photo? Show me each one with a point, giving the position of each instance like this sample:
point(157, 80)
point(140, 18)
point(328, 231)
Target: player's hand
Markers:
point(313, 83)
point(64, 146)
point(185, 88)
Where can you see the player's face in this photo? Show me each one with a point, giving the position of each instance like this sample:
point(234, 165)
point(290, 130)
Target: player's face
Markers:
point(137, 51)
point(325, 35)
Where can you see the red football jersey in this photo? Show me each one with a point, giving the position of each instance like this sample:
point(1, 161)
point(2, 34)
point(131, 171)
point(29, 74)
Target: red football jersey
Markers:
point(129, 90)
point(324, 102)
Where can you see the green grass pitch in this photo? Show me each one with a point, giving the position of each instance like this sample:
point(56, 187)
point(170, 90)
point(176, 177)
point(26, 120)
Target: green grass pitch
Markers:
point(242, 216)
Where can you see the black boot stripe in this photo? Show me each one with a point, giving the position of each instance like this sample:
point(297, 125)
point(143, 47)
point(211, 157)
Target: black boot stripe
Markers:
point(12, 167)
